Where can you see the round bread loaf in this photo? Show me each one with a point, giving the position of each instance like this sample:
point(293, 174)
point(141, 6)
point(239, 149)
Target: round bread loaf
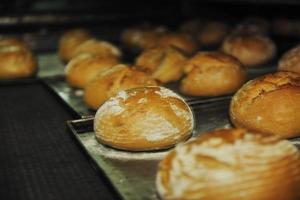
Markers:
point(180, 40)
point(143, 119)
point(99, 48)
point(231, 164)
point(212, 74)
point(70, 40)
point(253, 25)
point(212, 33)
point(269, 104)
point(141, 38)
point(13, 42)
point(85, 67)
point(163, 63)
point(290, 61)
point(251, 49)
point(16, 61)
point(110, 82)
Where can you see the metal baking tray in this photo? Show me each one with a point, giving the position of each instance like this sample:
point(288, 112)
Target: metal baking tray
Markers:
point(73, 97)
point(133, 174)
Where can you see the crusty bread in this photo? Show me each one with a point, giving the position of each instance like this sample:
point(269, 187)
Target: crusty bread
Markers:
point(163, 63)
point(231, 164)
point(110, 82)
point(143, 119)
point(70, 40)
point(212, 74)
point(269, 104)
point(85, 67)
point(290, 61)
point(16, 60)
point(98, 47)
point(212, 33)
point(251, 49)
point(180, 40)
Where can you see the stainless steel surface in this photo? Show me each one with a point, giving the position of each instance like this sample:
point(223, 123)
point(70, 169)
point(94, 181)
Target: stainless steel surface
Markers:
point(133, 174)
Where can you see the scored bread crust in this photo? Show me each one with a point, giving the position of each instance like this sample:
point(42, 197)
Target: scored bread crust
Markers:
point(112, 81)
point(84, 68)
point(230, 164)
point(251, 49)
point(212, 74)
point(16, 60)
point(70, 40)
point(163, 63)
point(290, 61)
point(143, 119)
point(269, 104)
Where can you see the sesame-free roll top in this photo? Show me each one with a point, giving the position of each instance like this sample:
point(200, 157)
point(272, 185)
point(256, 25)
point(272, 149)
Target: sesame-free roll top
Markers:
point(231, 164)
point(143, 119)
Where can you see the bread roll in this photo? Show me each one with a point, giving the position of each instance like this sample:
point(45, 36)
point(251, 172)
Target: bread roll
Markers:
point(143, 119)
point(163, 63)
point(253, 25)
point(85, 67)
point(290, 61)
point(13, 42)
point(70, 40)
point(212, 74)
point(231, 164)
point(180, 40)
point(141, 38)
point(269, 104)
point(251, 50)
point(212, 33)
point(99, 48)
point(16, 61)
point(110, 82)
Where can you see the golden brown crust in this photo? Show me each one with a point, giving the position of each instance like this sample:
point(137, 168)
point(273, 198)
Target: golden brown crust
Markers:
point(213, 33)
point(85, 67)
point(112, 81)
point(143, 119)
point(163, 63)
point(180, 40)
point(16, 61)
point(99, 48)
point(70, 40)
point(230, 164)
point(290, 61)
point(251, 50)
point(269, 104)
point(212, 74)
point(141, 38)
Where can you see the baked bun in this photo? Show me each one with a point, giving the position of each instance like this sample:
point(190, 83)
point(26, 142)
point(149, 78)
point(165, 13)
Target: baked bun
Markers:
point(85, 67)
point(112, 81)
point(180, 40)
point(140, 38)
point(290, 61)
point(163, 63)
point(97, 47)
point(212, 33)
point(269, 104)
point(13, 42)
point(70, 40)
point(16, 61)
point(251, 50)
point(253, 25)
point(143, 119)
point(231, 164)
point(212, 74)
